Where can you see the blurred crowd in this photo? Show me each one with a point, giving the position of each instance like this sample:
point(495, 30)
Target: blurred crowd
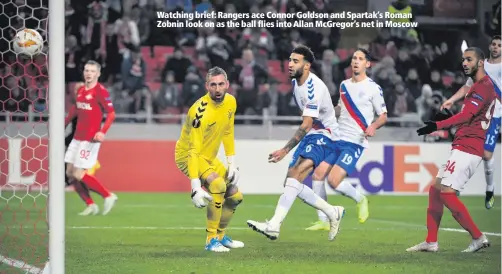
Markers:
point(162, 69)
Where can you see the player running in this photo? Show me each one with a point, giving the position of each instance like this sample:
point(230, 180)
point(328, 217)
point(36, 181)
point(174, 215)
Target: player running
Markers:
point(493, 69)
point(316, 137)
point(210, 122)
point(465, 157)
point(93, 100)
point(81, 189)
point(360, 99)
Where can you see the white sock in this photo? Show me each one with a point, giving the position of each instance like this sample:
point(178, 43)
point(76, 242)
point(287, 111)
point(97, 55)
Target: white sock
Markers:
point(489, 174)
point(313, 200)
point(291, 190)
point(348, 190)
point(319, 188)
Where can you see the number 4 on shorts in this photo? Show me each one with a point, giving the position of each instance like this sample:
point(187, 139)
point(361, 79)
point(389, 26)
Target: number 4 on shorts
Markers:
point(450, 166)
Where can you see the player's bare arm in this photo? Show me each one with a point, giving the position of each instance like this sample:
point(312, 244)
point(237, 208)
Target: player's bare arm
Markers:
point(379, 122)
point(338, 109)
point(461, 92)
point(304, 128)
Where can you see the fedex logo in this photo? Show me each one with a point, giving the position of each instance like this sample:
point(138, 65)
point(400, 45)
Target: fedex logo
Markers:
point(402, 169)
point(85, 106)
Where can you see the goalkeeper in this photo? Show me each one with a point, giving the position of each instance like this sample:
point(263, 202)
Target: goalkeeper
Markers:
point(210, 121)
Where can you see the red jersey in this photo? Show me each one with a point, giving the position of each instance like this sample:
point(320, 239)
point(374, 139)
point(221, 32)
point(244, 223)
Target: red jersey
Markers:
point(474, 118)
point(89, 109)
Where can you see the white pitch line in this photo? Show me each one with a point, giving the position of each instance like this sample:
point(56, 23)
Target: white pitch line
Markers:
point(20, 265)
point(245, 228)
point(386, 207)
point(421, 226)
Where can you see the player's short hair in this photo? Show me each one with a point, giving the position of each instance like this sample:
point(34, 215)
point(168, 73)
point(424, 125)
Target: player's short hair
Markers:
point(94, 63)
point(308, 55)
point(480, 55)
point(366, 53)
point(215, 71)
point(495, 37)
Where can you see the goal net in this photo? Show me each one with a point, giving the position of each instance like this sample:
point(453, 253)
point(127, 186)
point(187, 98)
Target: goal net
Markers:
point(23, 143)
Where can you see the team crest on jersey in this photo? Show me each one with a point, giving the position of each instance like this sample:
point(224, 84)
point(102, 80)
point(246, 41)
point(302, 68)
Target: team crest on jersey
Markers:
point(88, 97)
point(230, 114)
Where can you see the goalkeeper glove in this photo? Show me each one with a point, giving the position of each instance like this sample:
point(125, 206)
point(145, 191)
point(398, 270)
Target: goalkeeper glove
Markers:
point(443, 115)
point(232, 171)
point(429, 127)
point(200, 198)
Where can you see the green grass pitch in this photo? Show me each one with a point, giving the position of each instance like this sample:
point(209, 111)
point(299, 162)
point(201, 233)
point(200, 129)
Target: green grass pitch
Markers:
point(164, 233)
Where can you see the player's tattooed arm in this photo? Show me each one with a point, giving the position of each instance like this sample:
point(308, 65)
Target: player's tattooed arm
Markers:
point(300, 133)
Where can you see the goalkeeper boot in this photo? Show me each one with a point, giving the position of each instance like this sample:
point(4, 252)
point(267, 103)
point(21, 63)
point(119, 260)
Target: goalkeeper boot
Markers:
point(424, 246)
point(489, 199)
point(229, 243)
point(362, 210)
point(215, 246)
point(334, 221)
point(319, 225)
point(270, 231)
point(91, 209)
point(478, 244)
point(109, 203)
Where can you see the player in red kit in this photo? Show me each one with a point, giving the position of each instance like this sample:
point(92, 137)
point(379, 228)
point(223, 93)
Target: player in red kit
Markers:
point(92, 102)
point(465, 157)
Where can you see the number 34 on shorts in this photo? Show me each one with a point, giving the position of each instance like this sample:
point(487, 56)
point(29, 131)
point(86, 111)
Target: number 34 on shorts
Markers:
point(459, 168)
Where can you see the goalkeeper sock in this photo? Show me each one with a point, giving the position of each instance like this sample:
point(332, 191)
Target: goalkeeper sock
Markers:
point(83, 192)
point(95, 185)
point(216, 189)
point(460, 213)
point(348, 190)
point(489, 174)
point(434, 214)
point(229, 207)
point(319, 188)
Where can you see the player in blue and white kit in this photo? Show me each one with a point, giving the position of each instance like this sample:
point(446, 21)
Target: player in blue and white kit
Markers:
point(360, 99)
point(316, 138)
point(493, 68)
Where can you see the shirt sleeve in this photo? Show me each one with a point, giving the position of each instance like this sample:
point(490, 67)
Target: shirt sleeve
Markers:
point(378, 101)
point(228, 137)
point(105, 101)
point(197, 125)
point(314, 98)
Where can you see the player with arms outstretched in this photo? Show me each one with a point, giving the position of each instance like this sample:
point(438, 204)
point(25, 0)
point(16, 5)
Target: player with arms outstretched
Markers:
point(493, 68)
point(93, 100)
point(360, 99)
point(316, 137)
point(465, 156)
point(82, 189)
point(210, 122)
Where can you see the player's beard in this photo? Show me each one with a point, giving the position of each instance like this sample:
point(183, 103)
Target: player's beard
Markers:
point(218, 100)
point(298, 74)
point(473, 71)
point(494, 55)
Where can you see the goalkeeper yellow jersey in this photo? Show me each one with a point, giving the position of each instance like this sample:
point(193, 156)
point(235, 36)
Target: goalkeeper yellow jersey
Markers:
point(207, 125)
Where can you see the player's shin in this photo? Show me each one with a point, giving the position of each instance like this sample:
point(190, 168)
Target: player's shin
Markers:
point(349, 191)
point(291, 190)
point(489, 174)
point(216, 189)
point(309, 197)
point(83, 192)
point(319, 188)
point(229, 206)
point(434, 214)
point(93, 183)
point(460, 213)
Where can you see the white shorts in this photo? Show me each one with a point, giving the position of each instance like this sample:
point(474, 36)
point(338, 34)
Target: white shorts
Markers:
point(458, 169)
point(82, 154)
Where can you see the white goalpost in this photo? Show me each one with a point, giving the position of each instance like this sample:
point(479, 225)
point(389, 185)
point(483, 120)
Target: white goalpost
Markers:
point(56, 209)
